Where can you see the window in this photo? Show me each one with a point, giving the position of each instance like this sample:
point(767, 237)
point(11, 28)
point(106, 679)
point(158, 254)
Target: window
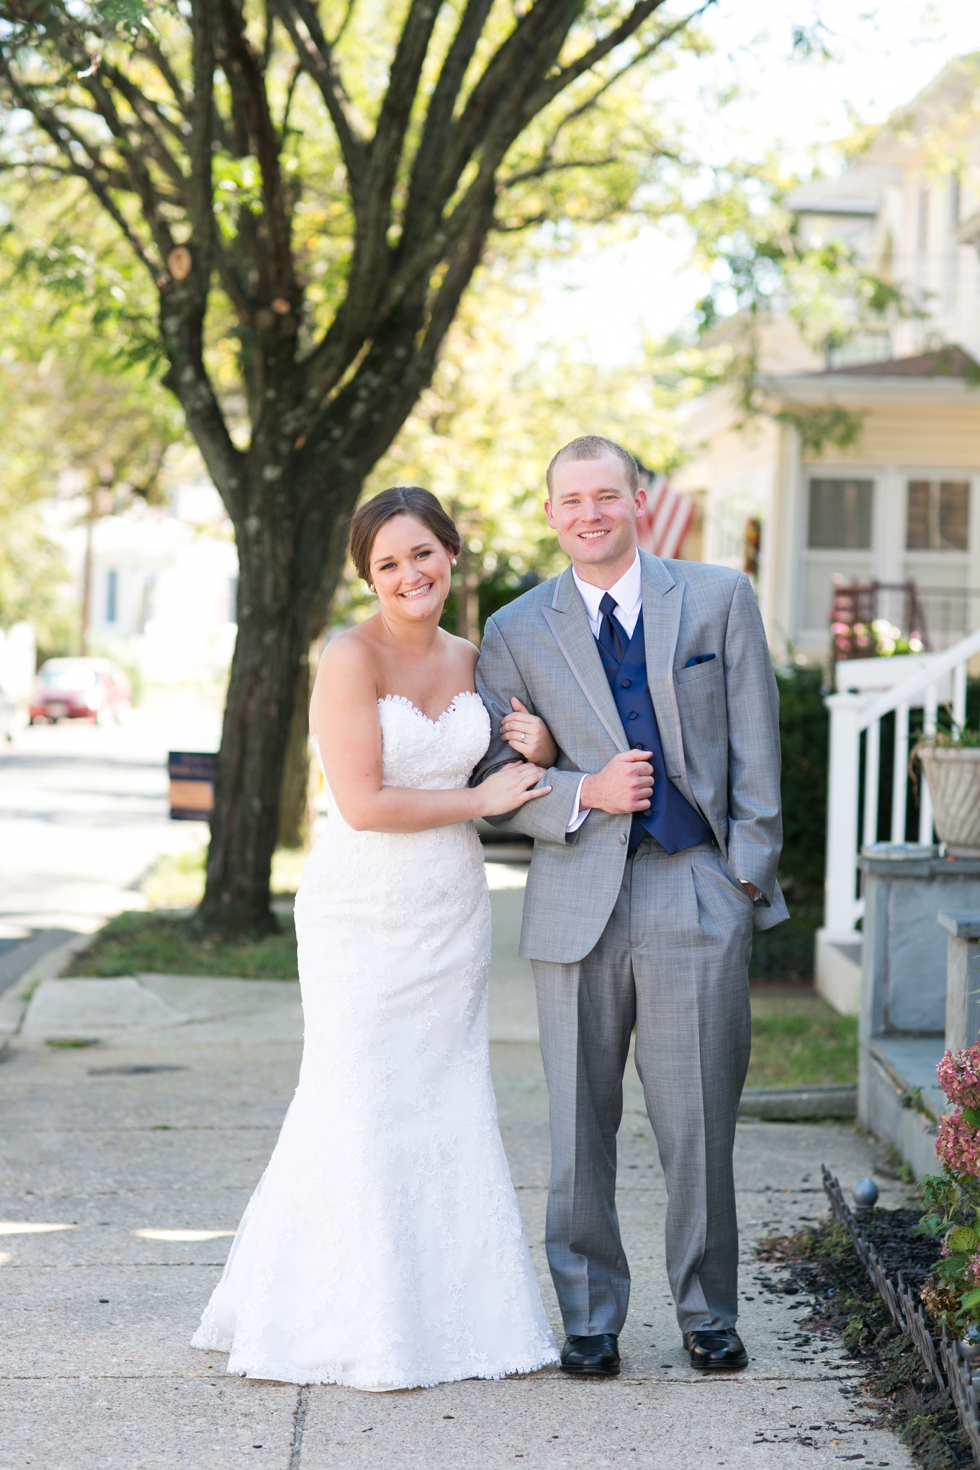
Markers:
point(938, 515)
point(840, 515)
point(112, 596)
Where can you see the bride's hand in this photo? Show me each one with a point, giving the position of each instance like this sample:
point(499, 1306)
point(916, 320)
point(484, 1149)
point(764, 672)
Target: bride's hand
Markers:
point(529, 736)
point(509, 788)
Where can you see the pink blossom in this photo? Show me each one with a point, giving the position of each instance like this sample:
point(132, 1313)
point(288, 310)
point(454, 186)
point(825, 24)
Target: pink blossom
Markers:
point(959, 1076)
point(958, 1145)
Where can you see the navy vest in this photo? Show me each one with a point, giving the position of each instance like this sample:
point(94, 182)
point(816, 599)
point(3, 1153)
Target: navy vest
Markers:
point(671, 818)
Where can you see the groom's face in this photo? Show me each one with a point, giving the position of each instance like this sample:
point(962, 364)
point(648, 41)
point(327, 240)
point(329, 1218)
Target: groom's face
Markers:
point(593, 510)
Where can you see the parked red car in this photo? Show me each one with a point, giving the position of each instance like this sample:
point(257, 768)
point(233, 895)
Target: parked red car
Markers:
point(79, 689)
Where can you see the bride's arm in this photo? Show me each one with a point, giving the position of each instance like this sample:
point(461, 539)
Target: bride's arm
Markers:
point(344, 717)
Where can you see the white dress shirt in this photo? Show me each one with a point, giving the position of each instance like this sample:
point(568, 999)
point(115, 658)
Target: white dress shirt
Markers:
point(627, 594)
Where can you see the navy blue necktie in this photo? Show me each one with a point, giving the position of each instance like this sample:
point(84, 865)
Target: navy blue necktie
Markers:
point(612, 637)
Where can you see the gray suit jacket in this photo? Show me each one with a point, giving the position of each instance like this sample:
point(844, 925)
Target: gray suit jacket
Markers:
point(719, 724)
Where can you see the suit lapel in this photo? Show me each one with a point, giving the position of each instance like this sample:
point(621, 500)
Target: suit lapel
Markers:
point(569, 623)
point(663, 599)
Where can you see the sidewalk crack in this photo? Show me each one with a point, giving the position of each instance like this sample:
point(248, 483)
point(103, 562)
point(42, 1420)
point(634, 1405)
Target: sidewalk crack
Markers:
point(299, 1420)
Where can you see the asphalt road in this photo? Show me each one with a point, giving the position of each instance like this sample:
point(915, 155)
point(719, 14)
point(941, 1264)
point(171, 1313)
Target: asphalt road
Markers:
point(83, 815)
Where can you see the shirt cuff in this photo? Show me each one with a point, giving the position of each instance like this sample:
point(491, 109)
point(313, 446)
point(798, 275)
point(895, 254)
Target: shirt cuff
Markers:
point(577, 817)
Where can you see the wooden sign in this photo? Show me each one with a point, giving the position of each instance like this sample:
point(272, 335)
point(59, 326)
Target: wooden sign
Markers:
point(191, 785)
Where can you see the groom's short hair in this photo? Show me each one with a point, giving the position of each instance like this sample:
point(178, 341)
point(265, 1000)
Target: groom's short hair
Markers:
point(594, 446)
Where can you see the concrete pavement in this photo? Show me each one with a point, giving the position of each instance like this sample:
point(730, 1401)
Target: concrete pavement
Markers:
point(147, 1142)
point(83, 814)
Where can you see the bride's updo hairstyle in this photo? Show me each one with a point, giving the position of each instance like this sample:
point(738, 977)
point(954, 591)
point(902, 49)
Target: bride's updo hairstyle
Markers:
point(400, 500)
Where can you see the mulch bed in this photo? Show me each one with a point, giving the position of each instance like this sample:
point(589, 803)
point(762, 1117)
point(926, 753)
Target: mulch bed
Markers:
point(821, 1262)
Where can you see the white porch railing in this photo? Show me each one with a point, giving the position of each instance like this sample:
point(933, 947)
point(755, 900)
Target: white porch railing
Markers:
point(868, 690)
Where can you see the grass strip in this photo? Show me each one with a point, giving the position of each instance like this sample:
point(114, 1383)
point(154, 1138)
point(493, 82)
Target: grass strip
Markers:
point(798, 1040)
point(162, 943)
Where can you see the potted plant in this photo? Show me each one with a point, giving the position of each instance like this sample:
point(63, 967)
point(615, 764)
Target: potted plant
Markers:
point(951, 764)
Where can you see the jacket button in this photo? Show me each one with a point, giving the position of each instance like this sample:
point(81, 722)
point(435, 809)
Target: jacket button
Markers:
point(634, 715)
point(622, 837)
point(627, 683)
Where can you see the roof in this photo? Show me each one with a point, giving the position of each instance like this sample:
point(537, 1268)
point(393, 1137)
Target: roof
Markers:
point(859, 190)
point(944, 362)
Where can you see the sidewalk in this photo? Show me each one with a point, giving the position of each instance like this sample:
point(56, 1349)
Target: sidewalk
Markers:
point(147, 1145)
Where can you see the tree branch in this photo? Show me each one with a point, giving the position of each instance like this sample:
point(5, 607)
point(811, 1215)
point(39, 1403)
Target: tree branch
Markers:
point(550, 88)
point(143, 111)
point(148, 44)
point(550, 167)
point(344, 23)
point(316, 58)
point(263, 131)
point(426, 169)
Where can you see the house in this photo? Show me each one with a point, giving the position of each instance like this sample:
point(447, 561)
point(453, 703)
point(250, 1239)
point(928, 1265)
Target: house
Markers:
point(902, 503)
point(162, 582)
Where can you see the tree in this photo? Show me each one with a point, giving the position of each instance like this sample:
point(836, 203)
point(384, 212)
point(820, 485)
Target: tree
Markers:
point(482, 434)
point(761, 269)
point(308, 192)
point(71, 408)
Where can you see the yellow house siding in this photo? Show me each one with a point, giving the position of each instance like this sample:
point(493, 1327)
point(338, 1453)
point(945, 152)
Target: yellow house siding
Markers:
point(930, 435)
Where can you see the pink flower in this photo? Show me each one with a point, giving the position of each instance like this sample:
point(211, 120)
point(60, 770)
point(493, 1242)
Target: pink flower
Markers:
point(959, 1076)
point(958, 1145)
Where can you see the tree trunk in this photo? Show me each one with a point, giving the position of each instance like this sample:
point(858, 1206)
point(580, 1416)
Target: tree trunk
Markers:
point(289, 563)
point(259, 707)
point(294, 810)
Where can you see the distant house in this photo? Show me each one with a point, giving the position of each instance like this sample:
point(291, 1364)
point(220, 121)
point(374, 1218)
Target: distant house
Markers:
point(903, 503)
point(162, 584)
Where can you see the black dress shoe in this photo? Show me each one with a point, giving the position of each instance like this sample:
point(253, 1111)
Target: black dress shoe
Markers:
point(597, 1355)
point(716, 1349)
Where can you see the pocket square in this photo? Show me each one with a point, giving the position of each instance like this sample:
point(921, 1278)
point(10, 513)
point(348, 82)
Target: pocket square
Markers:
point(699, 658)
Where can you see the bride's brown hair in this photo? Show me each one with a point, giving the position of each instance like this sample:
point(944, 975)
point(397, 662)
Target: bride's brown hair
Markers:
point(400, 500)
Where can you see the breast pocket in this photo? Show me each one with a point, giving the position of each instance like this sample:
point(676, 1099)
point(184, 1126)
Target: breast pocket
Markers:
point(713, 669)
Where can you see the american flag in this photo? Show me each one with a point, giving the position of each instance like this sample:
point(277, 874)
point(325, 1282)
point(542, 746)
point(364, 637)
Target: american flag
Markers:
point(666, 519)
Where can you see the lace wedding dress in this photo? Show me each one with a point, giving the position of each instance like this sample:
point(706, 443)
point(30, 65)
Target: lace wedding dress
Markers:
point(383, 1247)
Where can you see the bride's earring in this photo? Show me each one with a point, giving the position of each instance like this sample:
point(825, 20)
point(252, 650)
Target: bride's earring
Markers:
point(452, 561)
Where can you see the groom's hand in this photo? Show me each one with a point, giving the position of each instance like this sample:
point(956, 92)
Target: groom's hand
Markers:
point(624, 785)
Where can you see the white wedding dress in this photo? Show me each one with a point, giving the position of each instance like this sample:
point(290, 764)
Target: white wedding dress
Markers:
point(383, 1247)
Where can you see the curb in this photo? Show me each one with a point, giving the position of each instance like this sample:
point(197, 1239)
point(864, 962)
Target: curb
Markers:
point(14, 1001)
point(789, 1104)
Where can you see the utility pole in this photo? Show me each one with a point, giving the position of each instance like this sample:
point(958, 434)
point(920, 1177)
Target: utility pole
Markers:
point(87, 577)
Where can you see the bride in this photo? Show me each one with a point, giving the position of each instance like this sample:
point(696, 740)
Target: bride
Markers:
point(383, 1247)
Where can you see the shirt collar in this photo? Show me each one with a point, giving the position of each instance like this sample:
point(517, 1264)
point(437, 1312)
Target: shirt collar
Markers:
point(626, 593)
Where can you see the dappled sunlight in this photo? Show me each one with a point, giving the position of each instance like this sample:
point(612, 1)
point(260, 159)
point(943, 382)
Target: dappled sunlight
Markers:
point(29, 1227)
point(181, 1234)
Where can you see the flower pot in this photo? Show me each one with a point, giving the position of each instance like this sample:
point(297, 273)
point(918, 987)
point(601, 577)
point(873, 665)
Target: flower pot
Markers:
point(953, 774)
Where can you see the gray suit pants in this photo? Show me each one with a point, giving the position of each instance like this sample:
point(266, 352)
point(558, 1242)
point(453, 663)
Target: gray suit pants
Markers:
point(673, 962)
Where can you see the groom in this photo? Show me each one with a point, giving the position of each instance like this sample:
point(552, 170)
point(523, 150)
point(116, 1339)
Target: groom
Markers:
point(654, 858)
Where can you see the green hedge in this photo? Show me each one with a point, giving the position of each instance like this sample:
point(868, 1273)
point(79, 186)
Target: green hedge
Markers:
point(786, 952)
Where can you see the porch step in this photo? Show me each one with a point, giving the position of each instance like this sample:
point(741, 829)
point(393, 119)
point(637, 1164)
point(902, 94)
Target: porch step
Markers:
point(838, 971)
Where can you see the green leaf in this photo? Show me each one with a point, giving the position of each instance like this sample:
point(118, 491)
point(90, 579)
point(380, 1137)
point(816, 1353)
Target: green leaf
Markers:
point(972, 1299)
point(962, 1238)
point(972, 1116)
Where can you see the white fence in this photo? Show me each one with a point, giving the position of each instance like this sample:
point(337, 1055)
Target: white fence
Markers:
point(868, 690)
